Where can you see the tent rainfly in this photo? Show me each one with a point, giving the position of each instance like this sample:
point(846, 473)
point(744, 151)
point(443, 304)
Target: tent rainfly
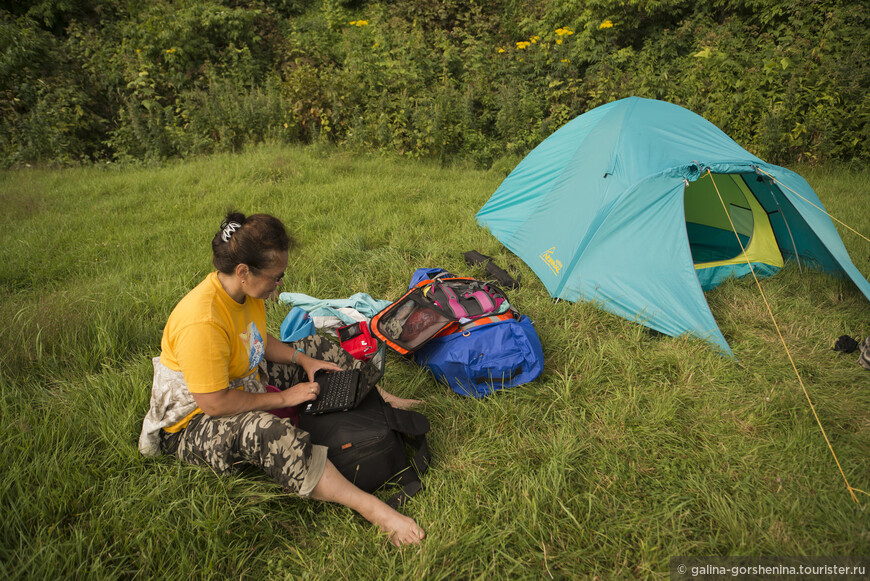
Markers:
point(638, 205)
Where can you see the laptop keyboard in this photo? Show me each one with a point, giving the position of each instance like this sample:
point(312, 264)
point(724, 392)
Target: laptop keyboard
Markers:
point(339, 390)
point(340, 385)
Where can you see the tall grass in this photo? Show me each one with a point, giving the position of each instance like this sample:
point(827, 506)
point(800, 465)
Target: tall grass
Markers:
point(631, 448)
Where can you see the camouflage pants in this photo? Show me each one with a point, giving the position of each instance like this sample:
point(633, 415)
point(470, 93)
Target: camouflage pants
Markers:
point(260, 438)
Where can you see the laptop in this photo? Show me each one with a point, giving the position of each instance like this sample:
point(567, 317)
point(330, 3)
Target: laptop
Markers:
point(344, 390)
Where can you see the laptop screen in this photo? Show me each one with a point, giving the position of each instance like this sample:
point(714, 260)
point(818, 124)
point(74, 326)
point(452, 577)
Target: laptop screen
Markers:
point(379, 358)
point(372, 370)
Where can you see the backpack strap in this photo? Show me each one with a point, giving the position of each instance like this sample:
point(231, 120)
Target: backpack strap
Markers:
point(413, 426)
point(487, 320)
point(453, 302)
point(407, 422)
point(409, 478)
point(487, 303)
point(473, 257)
point(477, 299)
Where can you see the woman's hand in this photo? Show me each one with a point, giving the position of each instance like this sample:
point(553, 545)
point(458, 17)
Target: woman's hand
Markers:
point(301, 392)
point(312, 366)
point(281, 352)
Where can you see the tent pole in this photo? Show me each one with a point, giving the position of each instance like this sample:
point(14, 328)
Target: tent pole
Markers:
point(784, 219)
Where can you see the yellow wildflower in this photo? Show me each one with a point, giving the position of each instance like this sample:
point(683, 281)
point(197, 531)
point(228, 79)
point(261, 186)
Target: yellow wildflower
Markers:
point(170, 50)
point(501, 50)
point(564, 32)
point(359, 22)
point(535, 39)
point(606, 24)
point(566, 60)
point(522, 44)
point(558, 41)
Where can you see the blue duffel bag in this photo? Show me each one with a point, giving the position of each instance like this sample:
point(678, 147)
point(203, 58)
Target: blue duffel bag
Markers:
point(482, 359)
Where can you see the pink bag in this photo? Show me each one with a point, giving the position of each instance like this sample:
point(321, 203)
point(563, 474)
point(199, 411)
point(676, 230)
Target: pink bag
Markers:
point(289, 412)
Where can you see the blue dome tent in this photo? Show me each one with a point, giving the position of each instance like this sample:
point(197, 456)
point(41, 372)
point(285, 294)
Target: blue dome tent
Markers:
point(635, 205)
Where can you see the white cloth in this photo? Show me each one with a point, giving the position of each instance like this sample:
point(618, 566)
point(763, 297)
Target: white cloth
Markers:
point(330, 313)
point(171, 402)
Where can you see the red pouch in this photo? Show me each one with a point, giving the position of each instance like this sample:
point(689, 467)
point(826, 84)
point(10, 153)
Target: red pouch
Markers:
point(357, 340)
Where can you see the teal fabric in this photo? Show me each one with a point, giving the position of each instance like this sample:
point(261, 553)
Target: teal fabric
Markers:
point(363, 303)
point(596, 211)
point(710, 278)
point(712, 244)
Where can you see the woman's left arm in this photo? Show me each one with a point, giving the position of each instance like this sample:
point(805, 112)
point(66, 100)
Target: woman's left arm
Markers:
point(280, 352)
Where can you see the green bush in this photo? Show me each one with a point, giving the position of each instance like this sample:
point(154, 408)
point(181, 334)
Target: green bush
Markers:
point(779, 89)
point(449, 78)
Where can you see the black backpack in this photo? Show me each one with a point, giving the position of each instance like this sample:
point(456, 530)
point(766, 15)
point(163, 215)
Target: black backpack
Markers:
point(367, 445)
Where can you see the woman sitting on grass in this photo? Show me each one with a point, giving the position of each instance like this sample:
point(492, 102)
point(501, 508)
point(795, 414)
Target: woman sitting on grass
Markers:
point(208, 405)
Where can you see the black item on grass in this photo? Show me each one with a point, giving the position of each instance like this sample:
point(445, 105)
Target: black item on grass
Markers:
point(845, 344)
point(473, 257)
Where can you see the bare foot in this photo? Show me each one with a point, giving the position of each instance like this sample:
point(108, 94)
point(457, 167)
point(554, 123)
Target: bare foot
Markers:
point(334, 487)
point(403, 530)
point(398, 402)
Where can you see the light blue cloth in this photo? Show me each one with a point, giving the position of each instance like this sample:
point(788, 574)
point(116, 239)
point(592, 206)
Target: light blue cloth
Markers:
point(297, 324)
point(363, 303)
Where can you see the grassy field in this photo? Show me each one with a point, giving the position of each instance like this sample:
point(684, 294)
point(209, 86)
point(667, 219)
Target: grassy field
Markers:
point(630, 449)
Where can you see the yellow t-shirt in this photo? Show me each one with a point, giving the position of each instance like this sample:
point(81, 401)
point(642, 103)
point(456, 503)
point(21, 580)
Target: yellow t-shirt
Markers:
point(213, 340)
